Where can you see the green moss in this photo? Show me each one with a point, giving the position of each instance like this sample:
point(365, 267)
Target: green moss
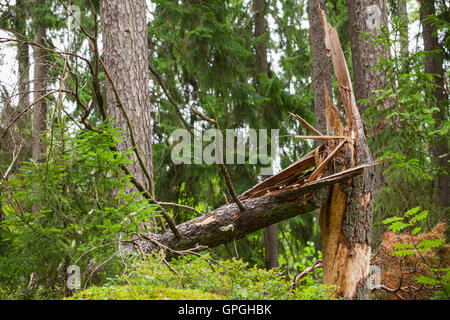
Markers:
point(142, 293)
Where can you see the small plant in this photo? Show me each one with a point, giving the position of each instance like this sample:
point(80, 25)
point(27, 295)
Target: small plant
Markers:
point(416, 244)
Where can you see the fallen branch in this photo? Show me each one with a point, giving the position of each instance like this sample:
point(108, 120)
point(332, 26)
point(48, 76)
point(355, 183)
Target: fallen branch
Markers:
point(227, 223)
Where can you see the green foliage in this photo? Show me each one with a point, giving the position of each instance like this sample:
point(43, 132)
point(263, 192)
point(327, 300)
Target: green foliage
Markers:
point(406, 130)
point(58, 212)
point(195, 277)
point(300, 258)
point(438, 276)
point(205, 53)
point(142, 293)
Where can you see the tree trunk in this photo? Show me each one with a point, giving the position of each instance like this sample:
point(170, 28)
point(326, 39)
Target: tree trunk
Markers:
point(364, 53)
point(228, 223)
point(125, 53)
point(23, 61)
point(260, 29)
point(40, 89)
point(271, 246)
point(367, 16)
point(321, 68)
point(270, 234)
point(433, 65)
point(403, 15)
point(346, 218)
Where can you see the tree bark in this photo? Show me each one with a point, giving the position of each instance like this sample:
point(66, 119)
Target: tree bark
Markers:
point(40, 80)
point(40, 89)
point(125, 54)
point(23, 61)
point(271, 245)
point(260, 29)
point(364, 53)
point(403, 16)
point(321, 68)
point(228, 223)
point(433, 65)
point(346, 218)
point(363, 15)
point(270, 234)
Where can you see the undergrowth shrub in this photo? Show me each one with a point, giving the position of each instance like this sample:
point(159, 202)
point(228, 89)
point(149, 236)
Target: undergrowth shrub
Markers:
point(68, 210)
point(228, 279)
point(424, 255)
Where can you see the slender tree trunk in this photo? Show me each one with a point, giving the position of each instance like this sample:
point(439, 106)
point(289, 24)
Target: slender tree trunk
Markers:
point(367, 16)
point(270, 233)
point(40, 89)
point(271, 245)
point(362, 16)
point(433, 65)
point(260, 29)
point(403, 15)
point(125, 53)
point(321, 68)
point(23, 60)
point(38, 147)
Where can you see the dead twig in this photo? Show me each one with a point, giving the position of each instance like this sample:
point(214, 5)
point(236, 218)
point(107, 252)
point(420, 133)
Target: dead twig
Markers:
point(316, 265)
point(223, 168)
point(171, 204)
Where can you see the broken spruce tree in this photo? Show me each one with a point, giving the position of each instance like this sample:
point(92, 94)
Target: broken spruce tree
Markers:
point(335, 177)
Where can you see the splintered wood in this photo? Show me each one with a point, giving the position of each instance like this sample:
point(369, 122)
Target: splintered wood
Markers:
point(312, 166)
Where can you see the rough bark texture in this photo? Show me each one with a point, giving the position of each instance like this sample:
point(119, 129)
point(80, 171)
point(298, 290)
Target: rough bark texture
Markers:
point(321, 68)
point(433, 65)
point(228, 223)
point(271, 245)
point(403, 15)
point(23, 60)
point(362, 15)
point(364, 54)
point(40, 88)
point(270, 234)
point(346, 219)
point(125, 53)
point(260, 29)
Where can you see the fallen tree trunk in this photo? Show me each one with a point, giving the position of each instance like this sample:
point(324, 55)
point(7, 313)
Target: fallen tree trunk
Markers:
point(228, 223)
point(336, 177)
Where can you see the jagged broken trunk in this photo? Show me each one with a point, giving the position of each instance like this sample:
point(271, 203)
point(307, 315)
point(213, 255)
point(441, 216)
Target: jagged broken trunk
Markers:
point(335, 177)
point(346, 219)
